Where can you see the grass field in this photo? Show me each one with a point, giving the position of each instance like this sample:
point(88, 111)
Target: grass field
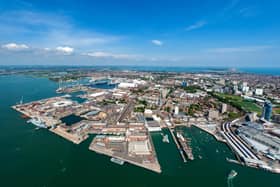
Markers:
point(238, 102)
point(277, 111)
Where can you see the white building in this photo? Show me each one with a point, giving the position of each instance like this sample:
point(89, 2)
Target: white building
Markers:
point(224, 108)
point(127, 85)
point(153, 126)
point(139, 147)
point(176, 110)
point(131, 84)
point(259, 91)
point(97, 94)
point(245, 89)
point(148, 112)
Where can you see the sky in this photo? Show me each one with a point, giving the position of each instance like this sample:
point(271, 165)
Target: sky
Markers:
point(220, 33)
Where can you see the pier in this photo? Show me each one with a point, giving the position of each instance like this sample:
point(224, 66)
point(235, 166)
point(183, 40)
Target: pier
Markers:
point(177, 145)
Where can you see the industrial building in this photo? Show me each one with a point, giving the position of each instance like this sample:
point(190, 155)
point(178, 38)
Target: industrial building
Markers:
point(260, 141)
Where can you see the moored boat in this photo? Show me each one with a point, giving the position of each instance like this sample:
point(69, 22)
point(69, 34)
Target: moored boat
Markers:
point(165, 138)
point(37, 122)
point(117, 161)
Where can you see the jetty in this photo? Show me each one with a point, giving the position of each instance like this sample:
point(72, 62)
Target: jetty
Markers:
point(177, 145)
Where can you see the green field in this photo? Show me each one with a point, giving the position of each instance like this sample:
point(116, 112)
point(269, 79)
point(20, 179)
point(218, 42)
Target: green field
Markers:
point(191, 89)
point(277, 111)
point(238, 102)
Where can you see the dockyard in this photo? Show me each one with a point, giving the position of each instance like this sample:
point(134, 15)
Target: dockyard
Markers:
point(123, 126)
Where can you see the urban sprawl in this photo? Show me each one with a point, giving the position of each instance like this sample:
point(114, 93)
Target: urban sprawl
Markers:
point(239, 109)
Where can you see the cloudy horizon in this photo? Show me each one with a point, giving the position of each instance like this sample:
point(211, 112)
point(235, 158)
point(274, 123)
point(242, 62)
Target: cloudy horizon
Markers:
point(229, 33)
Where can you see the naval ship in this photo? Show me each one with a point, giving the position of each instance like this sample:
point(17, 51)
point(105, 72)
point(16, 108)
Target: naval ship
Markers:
point(99, 81)
point(37, 122)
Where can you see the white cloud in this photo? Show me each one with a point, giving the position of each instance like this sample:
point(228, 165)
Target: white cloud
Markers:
point(78, 38)
point(48, 29)
point(15, 47)
point(197, 25)
point(157, 42)
point(101, 54)
point(249, 12)
point(239, 49)
point(65, 50)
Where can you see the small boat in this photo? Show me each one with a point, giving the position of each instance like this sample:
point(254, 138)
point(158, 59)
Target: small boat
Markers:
point(165, 138)
point(60, 90)
point(233, 161)
point(67, 96)
point(232, 174)
point(117, 161)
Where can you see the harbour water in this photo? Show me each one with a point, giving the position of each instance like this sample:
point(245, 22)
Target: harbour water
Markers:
point(31, 157)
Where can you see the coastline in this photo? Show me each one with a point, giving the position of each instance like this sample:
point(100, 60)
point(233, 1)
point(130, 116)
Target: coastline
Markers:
point(270, 71)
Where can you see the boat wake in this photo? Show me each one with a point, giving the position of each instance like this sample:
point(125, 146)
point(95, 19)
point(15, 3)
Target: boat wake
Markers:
point(230, 178)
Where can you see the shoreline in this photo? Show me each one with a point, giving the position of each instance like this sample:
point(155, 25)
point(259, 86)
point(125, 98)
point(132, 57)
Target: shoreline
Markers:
point(262, 71)
point(94, 148)
point(209, 132)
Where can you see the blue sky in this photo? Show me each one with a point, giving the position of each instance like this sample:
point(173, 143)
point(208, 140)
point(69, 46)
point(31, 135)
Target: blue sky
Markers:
point(227, 33)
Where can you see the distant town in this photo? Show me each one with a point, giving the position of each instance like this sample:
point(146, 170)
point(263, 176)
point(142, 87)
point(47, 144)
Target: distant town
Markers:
point(123, 108)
